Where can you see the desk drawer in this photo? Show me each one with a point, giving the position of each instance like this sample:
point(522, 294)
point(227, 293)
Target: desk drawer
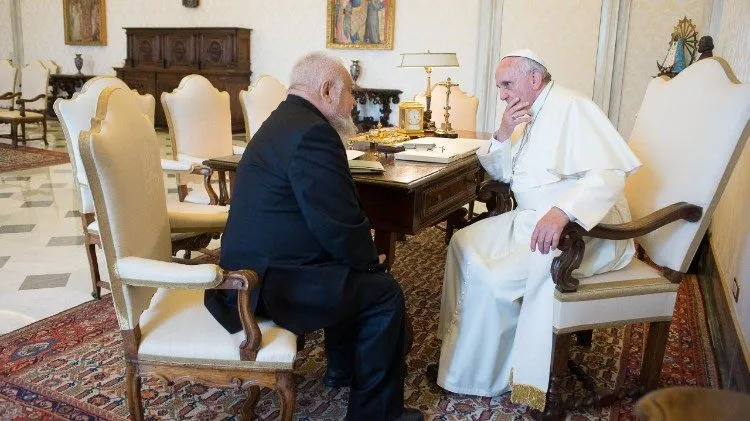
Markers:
point(447, 194)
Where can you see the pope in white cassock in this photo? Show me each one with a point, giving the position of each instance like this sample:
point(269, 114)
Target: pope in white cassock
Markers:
point(565, 162)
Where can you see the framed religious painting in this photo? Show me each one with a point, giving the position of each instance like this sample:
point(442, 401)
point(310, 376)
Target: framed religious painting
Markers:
point(85, 22)
point(360, 24)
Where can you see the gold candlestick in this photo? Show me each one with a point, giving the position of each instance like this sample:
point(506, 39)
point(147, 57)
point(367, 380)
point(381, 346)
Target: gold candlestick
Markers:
point(445, 129)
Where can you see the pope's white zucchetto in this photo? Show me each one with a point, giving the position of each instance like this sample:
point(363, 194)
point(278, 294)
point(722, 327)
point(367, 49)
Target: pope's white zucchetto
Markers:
point(526, 53)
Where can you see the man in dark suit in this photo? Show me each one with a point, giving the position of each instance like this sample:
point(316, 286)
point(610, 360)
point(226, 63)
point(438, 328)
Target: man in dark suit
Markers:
point(297, 221)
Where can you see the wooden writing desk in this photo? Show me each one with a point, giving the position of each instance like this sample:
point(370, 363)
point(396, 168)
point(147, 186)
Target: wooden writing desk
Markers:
point(406, 198)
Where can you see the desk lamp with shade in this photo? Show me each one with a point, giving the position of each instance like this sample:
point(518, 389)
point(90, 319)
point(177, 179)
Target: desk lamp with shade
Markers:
point(428, 60)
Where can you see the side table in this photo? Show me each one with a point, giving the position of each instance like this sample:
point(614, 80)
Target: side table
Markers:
point(64, 86)
point(382, 97)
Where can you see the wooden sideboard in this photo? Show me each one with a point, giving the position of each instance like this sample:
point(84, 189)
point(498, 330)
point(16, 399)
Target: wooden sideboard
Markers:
point(158, 58)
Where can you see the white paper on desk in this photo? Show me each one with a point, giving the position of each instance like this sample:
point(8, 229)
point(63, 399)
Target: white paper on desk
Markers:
point(446, 150)
point(350, 154)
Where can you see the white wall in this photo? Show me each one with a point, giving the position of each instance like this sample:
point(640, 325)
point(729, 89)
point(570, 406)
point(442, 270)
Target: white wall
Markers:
point(564, 34)
point(6, 31)
point(650, 26)
point(730, 227)
point(283, 30)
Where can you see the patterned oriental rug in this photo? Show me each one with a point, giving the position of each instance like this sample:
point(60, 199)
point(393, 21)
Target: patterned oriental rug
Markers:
point(23, 157)
point(70, 365)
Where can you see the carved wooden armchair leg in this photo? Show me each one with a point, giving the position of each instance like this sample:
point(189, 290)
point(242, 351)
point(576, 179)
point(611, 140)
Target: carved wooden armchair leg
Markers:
point(133, 385)
point(44, 132)
point(555, 406)
point(248, 409)
point(455, 221)
point(653, 355)
point(287, 391)
point(584, 337)
point(14, 133)
point(91, 241)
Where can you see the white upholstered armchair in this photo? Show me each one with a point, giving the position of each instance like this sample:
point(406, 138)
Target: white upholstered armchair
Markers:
point(75, 116)
point(259, 101)
point(166, 330)
point(200, 128)
point(8, 82)
point(463, 112)
point(689, 134)
point(31, 103)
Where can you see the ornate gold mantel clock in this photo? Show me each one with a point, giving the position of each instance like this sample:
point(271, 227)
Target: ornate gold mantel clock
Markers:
point(411, 118)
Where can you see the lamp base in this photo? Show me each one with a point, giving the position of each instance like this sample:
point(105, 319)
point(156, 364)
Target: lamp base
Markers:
point(445, 133)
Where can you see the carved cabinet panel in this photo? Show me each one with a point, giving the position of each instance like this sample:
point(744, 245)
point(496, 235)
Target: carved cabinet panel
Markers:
point(146, 49)
point(179, 51)
point(158, 58)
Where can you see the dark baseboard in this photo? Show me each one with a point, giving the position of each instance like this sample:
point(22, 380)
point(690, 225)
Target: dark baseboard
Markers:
point(733, 369)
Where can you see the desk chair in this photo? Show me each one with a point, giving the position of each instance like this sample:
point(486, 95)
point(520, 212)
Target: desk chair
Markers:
point(200, 128)
point(259, 101)
point(463, 112)
point(75, 116)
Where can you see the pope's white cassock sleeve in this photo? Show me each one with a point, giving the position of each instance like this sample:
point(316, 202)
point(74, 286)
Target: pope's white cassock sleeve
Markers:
point(496, 307)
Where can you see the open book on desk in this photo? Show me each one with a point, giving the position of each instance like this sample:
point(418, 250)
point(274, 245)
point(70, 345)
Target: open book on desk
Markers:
point(439, 150)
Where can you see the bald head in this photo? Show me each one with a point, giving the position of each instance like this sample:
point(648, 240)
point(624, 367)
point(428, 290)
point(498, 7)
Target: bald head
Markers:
point(323, 80)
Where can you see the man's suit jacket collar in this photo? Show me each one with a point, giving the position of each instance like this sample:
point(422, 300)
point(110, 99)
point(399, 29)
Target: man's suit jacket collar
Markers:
point(294, 99)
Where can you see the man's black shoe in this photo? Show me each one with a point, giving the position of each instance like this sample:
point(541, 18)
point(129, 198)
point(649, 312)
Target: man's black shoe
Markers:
point(411, 414)
point(337, 378)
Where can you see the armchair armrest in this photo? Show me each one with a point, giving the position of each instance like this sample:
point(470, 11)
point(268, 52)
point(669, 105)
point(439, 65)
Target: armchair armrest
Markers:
point(194, 217)
point(10, 95)
point(138, 271)
point(238, 150)
point(172, 165)
point(245, 281)
point(572, 246)
point(497, 196)
point(191, 165)
point(22, 101)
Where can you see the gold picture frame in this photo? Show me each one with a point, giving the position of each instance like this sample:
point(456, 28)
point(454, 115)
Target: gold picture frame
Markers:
point(85, 22)
point(350, 24)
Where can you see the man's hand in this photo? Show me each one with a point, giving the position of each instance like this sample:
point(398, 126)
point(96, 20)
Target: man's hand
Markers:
point(516, 112)
point(547, 232)
point(381, 258)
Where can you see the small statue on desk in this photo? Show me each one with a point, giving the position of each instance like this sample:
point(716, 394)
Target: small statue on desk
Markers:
point(706, 47)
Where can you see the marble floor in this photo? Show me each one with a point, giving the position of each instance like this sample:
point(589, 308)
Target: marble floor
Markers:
point(43, 265)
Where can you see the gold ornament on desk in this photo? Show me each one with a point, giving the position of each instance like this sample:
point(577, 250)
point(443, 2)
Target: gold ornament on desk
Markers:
point(411, 118)
point(381, 136)
point(445, 129)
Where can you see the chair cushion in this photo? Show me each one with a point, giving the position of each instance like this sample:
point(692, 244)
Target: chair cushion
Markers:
point(184, 216)
point(93, 228)
point(635, 293)
point(16, 114)
point(177, 327)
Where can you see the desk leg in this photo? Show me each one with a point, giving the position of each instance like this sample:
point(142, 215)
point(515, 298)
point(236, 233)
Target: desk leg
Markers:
point(385, 243)
point(223, 197)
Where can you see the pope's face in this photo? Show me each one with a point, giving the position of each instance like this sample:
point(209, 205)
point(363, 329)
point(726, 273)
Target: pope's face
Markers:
point(513, 83)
